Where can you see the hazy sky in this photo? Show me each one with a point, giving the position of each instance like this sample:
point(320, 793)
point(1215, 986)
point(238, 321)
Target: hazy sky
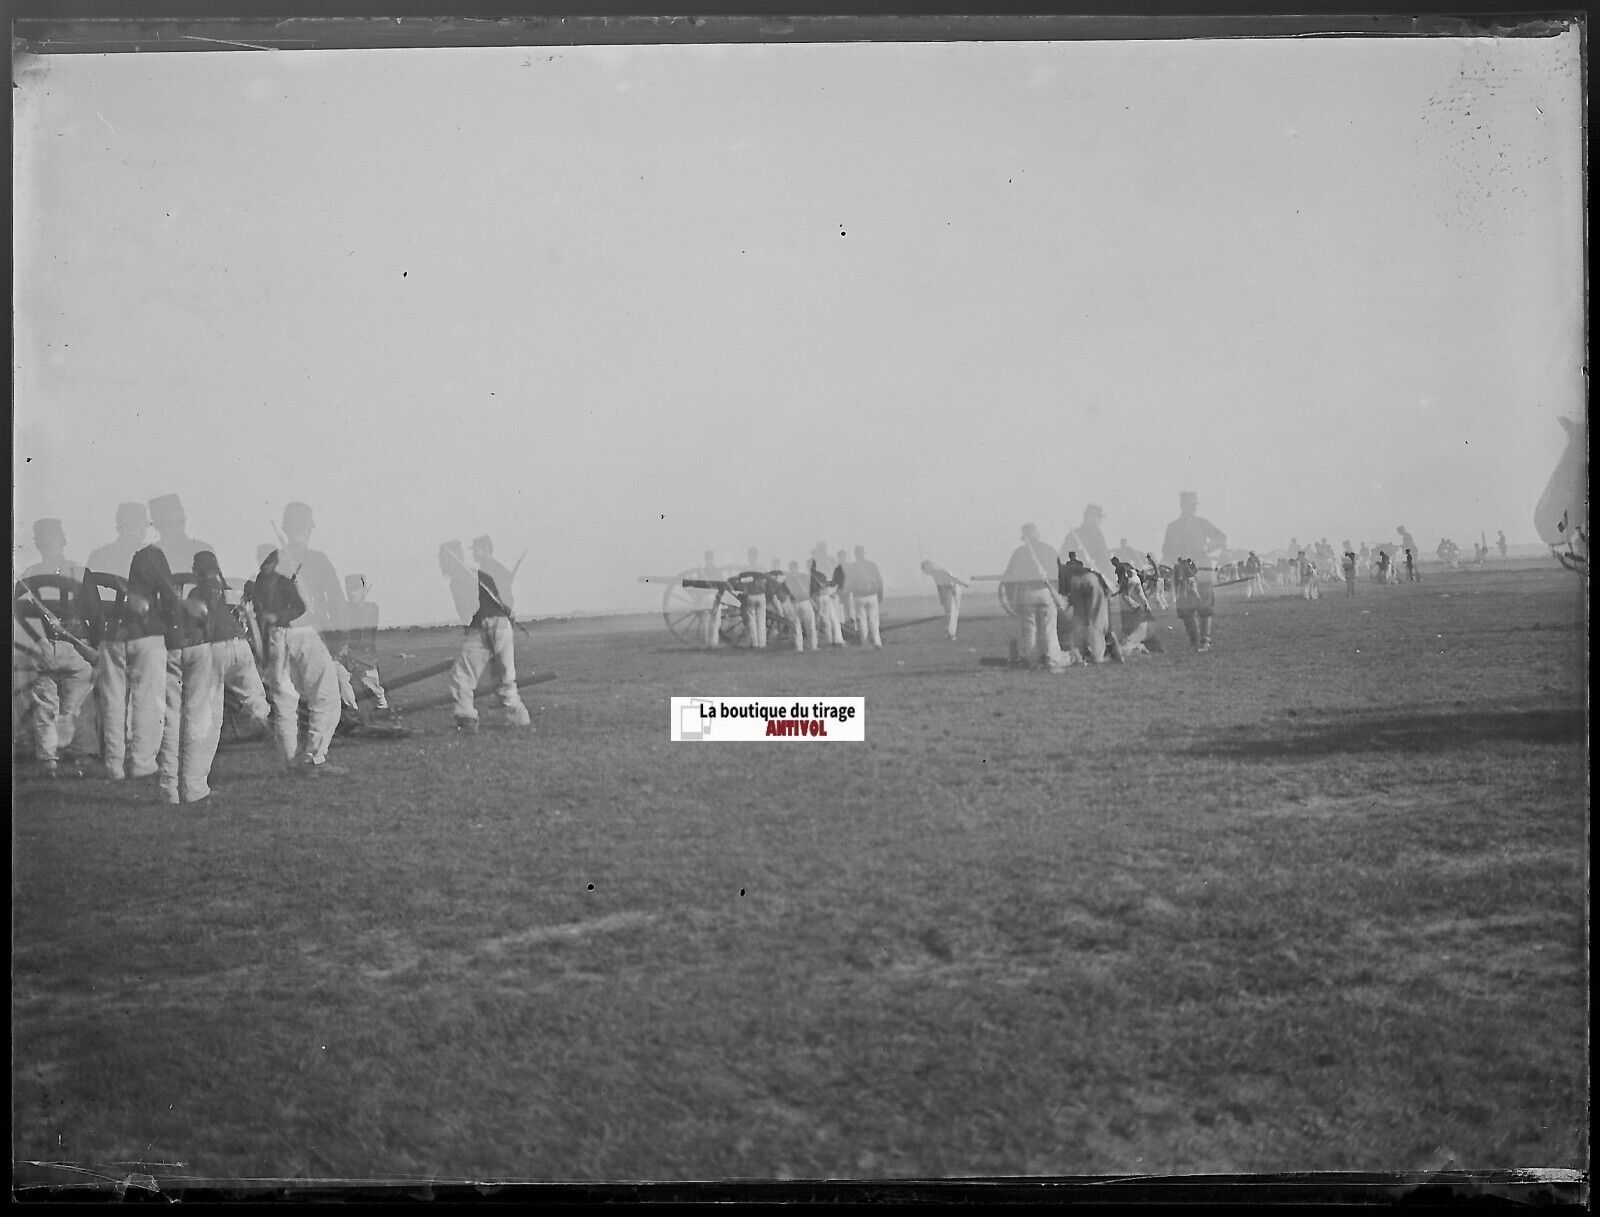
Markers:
point(618, 305)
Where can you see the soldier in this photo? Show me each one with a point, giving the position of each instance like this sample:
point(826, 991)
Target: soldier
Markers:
point(172, 535)
point(228, 638)
point(489, 638)
point(865, 585)
point(830, 616)
point(802, 612)
point(298, 666)
point(1350, 570)
point(1029, 584)
point(52, 657)
point(361, 640)
point(133, 526)
point(193, 692)
point(318, 581)
point(1191, 537)
point(711, 626)
point(1135, 606)
point(949, 588)
point(1255, 585)
point(753, 602)
point(135, 678)
point(1500, 544)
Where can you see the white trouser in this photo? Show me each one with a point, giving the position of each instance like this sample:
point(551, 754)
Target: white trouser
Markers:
point(299, 666)
point(1037, 607)
point(804, 615)
point(130, 691)
point(755, 619)
point(711, 621)
point(950, 602)
point(493, 640)
point(61, 683)
point(237, 674)
point(830, 617)
point(188, 742)
point(866, 617)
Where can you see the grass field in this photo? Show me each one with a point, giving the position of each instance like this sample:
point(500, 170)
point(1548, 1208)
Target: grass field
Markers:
point(1313, 901)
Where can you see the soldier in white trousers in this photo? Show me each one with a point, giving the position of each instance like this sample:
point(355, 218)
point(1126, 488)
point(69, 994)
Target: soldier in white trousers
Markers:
point(489, 638)
point(864, 583)
point(949, 595)
point(805, 613)
point(59, 674)
point(298, 665)
point(229, 642)
point(1028, 579)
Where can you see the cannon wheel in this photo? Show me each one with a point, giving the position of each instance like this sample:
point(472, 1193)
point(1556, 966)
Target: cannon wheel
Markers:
point(684, 608)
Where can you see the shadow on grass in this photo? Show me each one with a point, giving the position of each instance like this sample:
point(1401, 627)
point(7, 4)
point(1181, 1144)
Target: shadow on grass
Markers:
point(1424, 732)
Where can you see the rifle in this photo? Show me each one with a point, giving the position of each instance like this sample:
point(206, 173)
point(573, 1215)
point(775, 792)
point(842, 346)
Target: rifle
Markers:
point(54, 624)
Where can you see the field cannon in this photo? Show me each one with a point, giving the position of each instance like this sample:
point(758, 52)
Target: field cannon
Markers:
point(689, 600)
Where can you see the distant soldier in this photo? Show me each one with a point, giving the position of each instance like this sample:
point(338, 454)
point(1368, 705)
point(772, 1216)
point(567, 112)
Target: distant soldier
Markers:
point(1411, 569)
point(172, 533)
point(1191, 537)
point(1350, 571)
point(1384, 564)
point(133, 526)
point(1310, 587)
point(949, 588)
point(1028, 582)
point(1500, 544)
point(803, 612)
point(1406, 541)
point(753, 600)
point(865, 584)
point(1255, 585)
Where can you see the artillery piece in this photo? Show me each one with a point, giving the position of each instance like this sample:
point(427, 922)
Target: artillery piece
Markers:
point(690, 599)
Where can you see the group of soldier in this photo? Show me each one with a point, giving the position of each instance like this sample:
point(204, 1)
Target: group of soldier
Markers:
point(118, 668)
point(814, 602)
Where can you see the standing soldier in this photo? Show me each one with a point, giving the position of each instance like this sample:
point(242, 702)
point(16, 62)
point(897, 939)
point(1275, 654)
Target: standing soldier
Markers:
point(361, 640)
point(711, 626)
point(1500, 544)
point(949, 588)
point(753, 600)
point(172, 533)
point(1197, 539)
point(1029, 582)
point(138, 670)
point(50, 653)
point(489, 638)
point(865, 584)
point(1411, 568)
point(830, 616)
point(798, 583)
point(1350, 570)
point(133, 526)
point(194, 690)
point(298, 666)
point(228, 638)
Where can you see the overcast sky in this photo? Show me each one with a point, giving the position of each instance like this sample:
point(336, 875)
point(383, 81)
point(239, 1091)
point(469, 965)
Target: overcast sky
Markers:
point(618, 305)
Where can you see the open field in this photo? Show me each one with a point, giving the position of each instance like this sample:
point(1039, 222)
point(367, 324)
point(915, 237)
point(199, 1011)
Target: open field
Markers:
point(1313, 901)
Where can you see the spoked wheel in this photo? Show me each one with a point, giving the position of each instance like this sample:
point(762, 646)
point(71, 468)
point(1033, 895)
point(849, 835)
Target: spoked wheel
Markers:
point(685, 609)
point(1006, 594)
